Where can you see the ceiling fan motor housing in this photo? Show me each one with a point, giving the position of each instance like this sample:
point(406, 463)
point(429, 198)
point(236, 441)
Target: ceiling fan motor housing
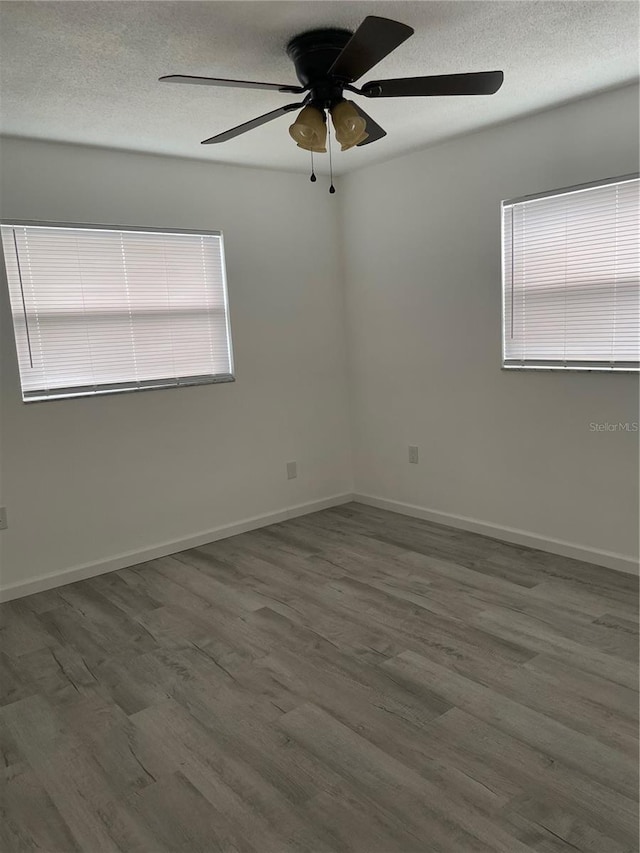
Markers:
point(313, 54)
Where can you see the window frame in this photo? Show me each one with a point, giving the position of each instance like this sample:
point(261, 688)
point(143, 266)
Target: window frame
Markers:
point(126, 387)
point(554, 365)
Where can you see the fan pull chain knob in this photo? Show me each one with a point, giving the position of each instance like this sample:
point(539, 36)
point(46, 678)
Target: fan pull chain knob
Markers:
point(332, 189)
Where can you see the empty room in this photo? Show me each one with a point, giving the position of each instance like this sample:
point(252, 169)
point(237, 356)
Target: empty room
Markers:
point(319, 426)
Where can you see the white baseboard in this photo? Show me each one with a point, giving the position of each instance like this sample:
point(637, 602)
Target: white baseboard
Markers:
point(609, 559)
point(132, 558)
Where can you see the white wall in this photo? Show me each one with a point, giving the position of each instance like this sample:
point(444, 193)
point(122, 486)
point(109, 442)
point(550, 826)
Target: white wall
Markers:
point(87, 479)
point(422, 241)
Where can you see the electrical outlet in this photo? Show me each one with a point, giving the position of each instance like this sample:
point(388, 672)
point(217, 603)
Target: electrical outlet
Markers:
point(413, 454)
point(292, 470)
point(3, 518)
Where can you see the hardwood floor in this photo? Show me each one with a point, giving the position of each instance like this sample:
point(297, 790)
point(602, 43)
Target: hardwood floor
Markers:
point(352, 680)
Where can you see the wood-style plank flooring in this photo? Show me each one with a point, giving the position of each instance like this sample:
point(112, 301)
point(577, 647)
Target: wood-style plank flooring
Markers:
point(352, 680)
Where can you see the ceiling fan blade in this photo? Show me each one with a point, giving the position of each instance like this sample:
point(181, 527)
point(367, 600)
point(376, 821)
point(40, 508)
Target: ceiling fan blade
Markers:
point(249, 125)
point(220, 81)
point(374, 131)
point(479, 83)
point(374, 39)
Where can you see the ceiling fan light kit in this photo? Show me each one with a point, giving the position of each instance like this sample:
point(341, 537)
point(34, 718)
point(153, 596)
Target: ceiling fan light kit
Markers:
point(327, 63)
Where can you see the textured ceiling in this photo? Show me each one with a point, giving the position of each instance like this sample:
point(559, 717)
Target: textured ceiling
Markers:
point(86, 72)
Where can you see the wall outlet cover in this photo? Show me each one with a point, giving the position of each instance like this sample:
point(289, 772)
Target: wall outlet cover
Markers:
point(413, 454)
point(292, 470)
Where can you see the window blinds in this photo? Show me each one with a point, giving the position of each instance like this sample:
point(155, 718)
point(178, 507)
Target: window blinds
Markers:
point(571, 295)
point(98, 310)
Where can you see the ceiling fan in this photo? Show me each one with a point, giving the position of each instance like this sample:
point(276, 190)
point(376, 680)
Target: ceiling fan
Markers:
point(327, 63)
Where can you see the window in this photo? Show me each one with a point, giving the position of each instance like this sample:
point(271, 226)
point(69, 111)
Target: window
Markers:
point(570, 280)
point(98, 309)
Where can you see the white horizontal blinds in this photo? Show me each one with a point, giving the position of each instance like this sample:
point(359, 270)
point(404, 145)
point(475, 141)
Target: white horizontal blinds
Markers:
point(99, 310)
point(571, 278)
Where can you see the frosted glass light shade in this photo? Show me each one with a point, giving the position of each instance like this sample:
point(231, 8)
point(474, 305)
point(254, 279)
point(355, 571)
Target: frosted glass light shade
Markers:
point(309, 130)
point(350, 126)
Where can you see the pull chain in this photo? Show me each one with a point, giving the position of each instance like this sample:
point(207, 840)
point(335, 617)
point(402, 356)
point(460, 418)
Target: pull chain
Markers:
point(313, 178)
point(332, 189)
